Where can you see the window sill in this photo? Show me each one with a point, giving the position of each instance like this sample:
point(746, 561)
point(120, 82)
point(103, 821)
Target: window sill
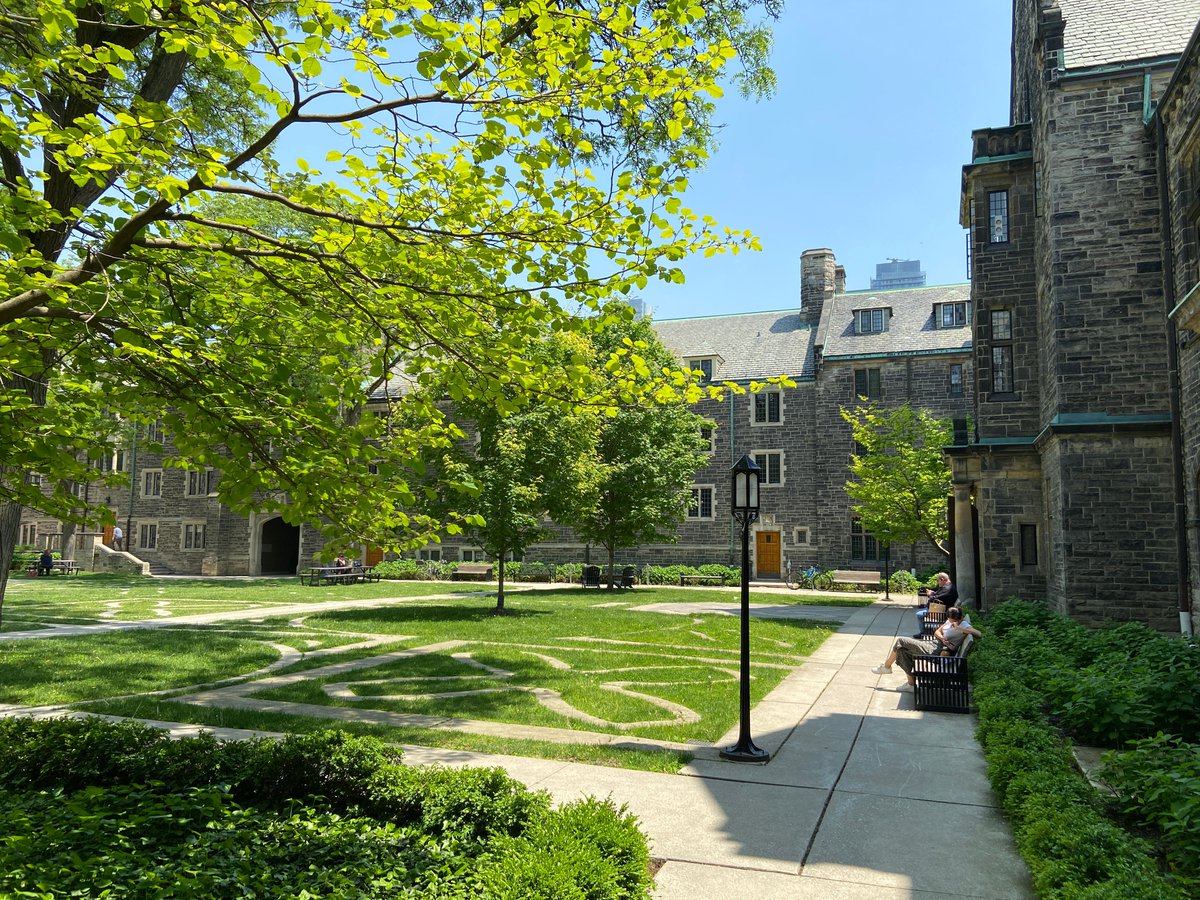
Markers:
point(1004, 397)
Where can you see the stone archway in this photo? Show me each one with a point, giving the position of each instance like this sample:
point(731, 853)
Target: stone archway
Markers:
point(278, 548)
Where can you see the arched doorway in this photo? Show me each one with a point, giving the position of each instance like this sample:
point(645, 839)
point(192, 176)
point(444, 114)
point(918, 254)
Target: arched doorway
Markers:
point(279, 548)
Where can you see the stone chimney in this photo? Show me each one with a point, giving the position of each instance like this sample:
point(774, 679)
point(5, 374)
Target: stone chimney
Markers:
point(818, 281)
point(839, 280)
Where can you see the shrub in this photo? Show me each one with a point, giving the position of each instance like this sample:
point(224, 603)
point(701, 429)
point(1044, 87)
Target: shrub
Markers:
point(568, 573)
point(903, 582)
point(91, 806)
point(400, 569)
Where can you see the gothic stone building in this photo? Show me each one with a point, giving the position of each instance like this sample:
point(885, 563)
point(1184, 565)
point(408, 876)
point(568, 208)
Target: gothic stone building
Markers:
point(1070, 485)
point(891, 346)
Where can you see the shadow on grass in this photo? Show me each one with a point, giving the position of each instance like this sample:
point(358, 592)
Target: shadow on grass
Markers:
point(431, 614)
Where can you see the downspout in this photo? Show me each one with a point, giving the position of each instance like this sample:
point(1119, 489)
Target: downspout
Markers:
point(1173, 392)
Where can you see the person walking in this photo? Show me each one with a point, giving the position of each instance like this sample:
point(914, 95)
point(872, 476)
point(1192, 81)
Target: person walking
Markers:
point(118, 538)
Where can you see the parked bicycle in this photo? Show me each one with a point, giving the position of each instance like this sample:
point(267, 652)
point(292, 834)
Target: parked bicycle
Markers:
point(811, 577)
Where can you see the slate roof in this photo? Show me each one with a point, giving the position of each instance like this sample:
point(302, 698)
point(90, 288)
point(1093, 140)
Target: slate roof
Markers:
point(910, 328)
point(751, 345)
point(1104, 32)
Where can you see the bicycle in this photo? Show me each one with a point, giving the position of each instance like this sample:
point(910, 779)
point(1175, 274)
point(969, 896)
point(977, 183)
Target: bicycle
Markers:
point(811, 577)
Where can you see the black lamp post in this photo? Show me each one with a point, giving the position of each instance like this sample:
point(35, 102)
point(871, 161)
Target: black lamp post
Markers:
point(746, 475)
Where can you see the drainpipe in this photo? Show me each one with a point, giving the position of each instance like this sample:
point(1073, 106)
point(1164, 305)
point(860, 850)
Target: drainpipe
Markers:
point(1173, 392)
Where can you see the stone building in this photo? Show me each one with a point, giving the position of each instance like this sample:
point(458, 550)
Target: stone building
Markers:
point(892, 346)
point(1066, 487)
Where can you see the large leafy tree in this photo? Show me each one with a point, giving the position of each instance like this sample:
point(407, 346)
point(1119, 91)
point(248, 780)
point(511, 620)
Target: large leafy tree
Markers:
point(901, 482)
point(645, 456)
point(476, 175)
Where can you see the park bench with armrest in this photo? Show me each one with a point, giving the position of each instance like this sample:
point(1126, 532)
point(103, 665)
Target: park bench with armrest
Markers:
point(590, 577)
point(472, 571)
point(941, 681)
point(700, 579)
point(869, 577)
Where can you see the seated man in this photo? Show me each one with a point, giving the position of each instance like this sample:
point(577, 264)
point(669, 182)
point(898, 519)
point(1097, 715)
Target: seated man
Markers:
point(945, 593)
point(45, 562)
point(945, 642)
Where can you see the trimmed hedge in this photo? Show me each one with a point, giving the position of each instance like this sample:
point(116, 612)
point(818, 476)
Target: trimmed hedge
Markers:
point(1031, 674)
point(122, 809)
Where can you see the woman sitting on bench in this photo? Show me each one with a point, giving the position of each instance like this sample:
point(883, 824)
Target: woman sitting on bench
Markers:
point(945, 593)
point(945, 642)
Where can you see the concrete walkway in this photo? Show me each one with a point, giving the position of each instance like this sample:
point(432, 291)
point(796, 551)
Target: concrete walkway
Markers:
point(864, 798)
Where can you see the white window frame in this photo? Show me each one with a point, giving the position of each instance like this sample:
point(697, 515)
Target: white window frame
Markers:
point(765, 395)
point(193, 480)
point(154, 475)
point(472, 554)
point(147, 527)
point(874, 320)
point(801, 536)
point(954, 307)
point(189, 531)
point(29, 534)
point(697, 503)
point(430, 554)
point(764, 482)
point(705, 364)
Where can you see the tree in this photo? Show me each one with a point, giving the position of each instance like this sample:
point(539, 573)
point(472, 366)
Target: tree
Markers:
point(646, 457)
point(491, 172)
point(527, 466)
point(901, 479)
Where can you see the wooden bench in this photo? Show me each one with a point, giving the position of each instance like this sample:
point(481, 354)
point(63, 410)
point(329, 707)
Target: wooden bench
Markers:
point(870, 577)
point(472, 572)
point(66, 566)
point(700, 579)
point(941, 681)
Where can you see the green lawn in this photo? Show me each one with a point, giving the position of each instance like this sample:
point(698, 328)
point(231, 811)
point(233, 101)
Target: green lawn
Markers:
point(605, 668)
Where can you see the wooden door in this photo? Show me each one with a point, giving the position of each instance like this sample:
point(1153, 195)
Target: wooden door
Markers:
point(766, 547)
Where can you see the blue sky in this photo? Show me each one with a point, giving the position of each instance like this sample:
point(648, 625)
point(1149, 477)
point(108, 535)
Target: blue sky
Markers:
point(860, 150)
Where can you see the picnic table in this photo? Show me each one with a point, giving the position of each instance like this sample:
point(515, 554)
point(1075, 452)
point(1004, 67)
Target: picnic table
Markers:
point(355, 574)
point(66, 566)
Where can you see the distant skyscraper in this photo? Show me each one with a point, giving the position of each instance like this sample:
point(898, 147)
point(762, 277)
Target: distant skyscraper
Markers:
point(898, 273)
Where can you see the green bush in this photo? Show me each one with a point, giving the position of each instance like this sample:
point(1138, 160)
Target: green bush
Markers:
point(670, 574)
point(903, 582)
point(26, 557)
point(589, 850)
point(92, 808)
point(1158, 782)
point(398, 569)
point(1035, 667)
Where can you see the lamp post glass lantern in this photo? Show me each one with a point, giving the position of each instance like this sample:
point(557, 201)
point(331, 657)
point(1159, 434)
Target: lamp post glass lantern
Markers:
point(746, 475)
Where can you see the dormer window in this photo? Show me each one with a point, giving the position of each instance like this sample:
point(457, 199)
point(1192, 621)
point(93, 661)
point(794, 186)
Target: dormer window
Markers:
point(871, 321)
point(951, 315)
point(707, 365)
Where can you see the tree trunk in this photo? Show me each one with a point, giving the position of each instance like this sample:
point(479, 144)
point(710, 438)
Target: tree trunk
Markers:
point(612, 556)
point(10, 524)
point(500, 583)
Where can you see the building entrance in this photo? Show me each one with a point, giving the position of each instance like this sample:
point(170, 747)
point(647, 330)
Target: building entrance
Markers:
point(766, 553)
point(279, 549)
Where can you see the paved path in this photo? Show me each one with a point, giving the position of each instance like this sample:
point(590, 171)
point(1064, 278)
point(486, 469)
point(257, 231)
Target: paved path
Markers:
point(864, 798)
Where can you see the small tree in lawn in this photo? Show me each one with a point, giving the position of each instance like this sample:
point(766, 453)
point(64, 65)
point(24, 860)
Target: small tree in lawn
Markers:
point(526, 465)
point(901, 479)
point(646, 456)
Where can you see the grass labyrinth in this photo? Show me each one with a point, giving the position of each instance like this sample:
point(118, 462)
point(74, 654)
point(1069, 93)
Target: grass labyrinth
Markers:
point(441, 671)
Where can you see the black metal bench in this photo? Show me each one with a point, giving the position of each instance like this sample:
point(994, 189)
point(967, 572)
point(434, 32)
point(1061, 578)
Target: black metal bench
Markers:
point(941, 681)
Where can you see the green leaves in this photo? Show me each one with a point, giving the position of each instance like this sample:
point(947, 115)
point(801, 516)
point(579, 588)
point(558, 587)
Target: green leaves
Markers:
point(902, 480)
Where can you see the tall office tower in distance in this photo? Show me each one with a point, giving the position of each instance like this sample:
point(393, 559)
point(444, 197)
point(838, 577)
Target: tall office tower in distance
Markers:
point(898, 273)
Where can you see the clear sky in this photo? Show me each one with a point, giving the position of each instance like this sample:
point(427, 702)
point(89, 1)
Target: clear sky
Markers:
point(860, 150)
